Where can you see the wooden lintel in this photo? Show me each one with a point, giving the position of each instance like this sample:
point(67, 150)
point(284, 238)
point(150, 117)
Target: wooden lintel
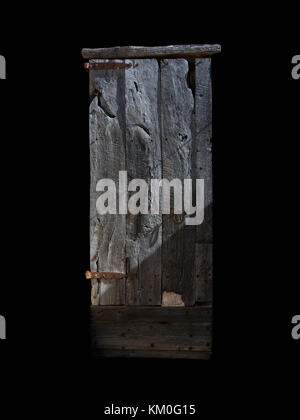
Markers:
point(169, 51)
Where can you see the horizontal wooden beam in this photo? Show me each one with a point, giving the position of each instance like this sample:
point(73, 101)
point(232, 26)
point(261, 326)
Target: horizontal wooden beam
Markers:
point(151, 313)
point(178, 332)
point(170, 51)
point(150, 354)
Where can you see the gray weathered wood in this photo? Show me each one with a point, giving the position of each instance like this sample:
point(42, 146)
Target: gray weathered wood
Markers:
point(153, 120)
point(177, 107)
point(107, 151)
point(151, 52)
point(203, 121)
point(143, 161)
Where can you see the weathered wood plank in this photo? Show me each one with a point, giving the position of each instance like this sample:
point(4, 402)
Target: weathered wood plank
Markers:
point(198, 343)
point(143, 161)
point(147, 329)
point(148, 314)
point(203, 272)
point(107, 151)
point(203, 112)
point(203, 121)
point(177, 107)
point(136, 329)
point(150, 354)
point(151, 52)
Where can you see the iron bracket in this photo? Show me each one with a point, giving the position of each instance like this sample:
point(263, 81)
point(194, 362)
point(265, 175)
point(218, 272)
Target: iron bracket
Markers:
point(107, 275)
point(111, 65)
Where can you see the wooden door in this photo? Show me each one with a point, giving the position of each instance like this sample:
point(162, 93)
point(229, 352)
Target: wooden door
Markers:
point(151, 117)
point(153, 120)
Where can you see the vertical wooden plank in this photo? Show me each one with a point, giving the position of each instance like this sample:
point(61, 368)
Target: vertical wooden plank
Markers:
point(203, 272)
point(107, 151)
point(143, 161)
point(177, 107)
point(203, 114)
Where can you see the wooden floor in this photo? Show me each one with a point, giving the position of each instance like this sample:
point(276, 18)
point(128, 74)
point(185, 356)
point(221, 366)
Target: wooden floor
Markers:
point(151, 332)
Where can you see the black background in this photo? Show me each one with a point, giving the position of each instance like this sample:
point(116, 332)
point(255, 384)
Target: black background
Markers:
point(45, 216)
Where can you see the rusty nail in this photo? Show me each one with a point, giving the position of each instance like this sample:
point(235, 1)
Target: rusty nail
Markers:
point(178, 222)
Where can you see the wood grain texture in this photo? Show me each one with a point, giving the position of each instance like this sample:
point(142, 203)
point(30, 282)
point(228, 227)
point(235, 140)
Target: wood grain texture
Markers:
point(148, 314)
point(170, 332)
point(151, 329)
point(150, 354)
point(177, 107)
point(143, 161)
point(151, 52)
point(203, 272)
point(203, 121)
point(107, 151)
point(153, 120)
point(160, 342)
